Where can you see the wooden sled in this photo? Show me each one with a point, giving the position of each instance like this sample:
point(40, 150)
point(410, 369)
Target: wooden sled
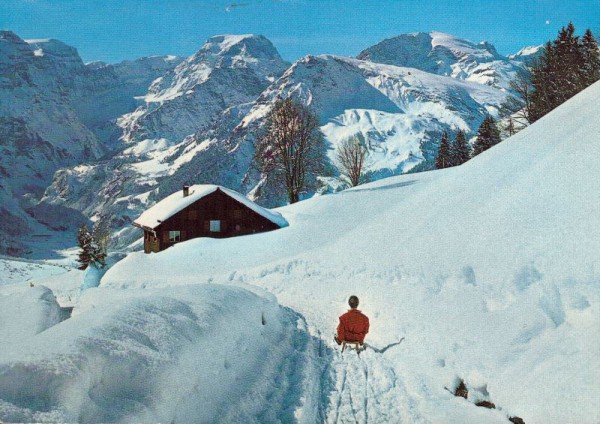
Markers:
point(353, 345)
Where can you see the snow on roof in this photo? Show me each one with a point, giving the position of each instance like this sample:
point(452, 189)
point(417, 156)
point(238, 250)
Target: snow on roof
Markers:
point(175, 202)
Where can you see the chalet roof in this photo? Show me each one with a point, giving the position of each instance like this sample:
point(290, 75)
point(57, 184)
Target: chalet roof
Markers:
point(175, 202)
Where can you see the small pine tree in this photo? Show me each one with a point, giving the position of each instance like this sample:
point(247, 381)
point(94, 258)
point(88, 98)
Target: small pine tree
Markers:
point(460, 149)
point(443, 158)
point(101, 239)
point(487, 136)
point(85, 242)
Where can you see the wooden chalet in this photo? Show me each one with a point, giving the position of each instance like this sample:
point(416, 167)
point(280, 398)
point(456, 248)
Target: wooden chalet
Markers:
point(203, 211)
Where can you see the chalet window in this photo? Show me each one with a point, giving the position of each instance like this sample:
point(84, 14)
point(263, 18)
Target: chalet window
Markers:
point(215, 226)
point(174, 236)
point(237, 214)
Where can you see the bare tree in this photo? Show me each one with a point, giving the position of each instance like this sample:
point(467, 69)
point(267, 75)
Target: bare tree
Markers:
point(520, 106)
point(291, 147)
point(351, 157)
point(509, 128)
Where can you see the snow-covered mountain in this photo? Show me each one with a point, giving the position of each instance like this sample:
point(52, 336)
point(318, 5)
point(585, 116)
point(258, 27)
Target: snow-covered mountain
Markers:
point(228, 70)
point(485, 273)
point(400, 112)
point(55, 112)
point(197, 119)
point(527, 54)
point(161, 146)
point(445, 54)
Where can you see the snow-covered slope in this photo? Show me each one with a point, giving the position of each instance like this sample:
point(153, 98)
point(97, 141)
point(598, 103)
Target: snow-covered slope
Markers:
point(486, 272)
point(489, 271)
point(445, 54)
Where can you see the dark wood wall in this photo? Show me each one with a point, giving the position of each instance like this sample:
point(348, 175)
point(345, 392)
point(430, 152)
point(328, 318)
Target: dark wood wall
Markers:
point(235, 218)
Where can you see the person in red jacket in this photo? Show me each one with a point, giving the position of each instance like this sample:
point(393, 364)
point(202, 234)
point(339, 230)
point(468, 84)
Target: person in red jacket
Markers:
point(353, 326)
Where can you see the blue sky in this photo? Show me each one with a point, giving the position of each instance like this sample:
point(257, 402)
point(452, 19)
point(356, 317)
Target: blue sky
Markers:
point(114, 30)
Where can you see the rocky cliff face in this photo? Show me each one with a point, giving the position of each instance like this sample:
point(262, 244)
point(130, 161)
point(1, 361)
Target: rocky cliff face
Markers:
point(55, 112)
point(227, 71)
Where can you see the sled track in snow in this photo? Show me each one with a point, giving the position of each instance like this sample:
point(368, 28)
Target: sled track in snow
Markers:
point(364, 389)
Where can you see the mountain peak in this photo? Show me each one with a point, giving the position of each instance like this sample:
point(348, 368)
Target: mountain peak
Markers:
point(237, 48)
point(225, 41)
point(55, 48)
point(527, 54)
point(426, 49)
point(444, 54)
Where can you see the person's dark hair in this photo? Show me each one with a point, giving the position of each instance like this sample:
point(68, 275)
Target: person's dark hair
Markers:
point(353, 302)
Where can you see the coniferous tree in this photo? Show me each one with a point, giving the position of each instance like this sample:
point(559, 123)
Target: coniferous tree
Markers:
point(591, 59)
point(93, 246)
point(460, 149)
point(488, 135)
point(569, 63)
point(100, 241)
point(85, 242)
point(544, 77)
point(443, 158)
point(567, 66)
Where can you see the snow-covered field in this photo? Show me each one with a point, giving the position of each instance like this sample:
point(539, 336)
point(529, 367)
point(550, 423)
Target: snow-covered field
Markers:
point(487, 272)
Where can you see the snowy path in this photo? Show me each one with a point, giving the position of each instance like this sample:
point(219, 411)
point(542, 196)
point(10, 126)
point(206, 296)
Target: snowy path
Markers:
point(365, 389)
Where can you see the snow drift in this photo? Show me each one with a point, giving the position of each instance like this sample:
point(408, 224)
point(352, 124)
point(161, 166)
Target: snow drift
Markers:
point(190, 354)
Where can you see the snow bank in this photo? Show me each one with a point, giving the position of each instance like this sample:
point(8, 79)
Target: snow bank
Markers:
point(489, 270)
point(24, 312)
point(190, 354)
